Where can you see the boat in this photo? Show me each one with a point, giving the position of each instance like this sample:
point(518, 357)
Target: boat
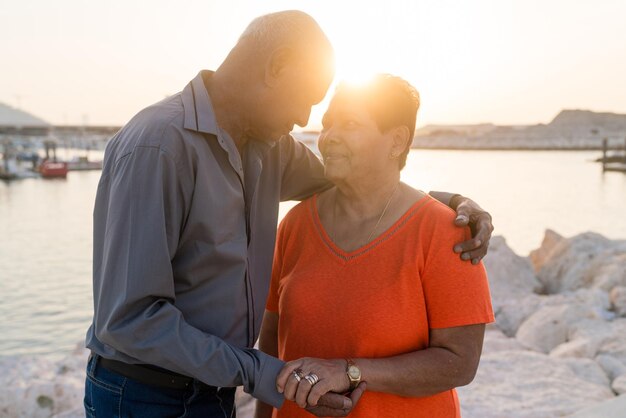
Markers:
point(10, 167)
point(53, 169)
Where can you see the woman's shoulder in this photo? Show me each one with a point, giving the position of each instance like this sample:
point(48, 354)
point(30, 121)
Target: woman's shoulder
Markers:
point(433, 218)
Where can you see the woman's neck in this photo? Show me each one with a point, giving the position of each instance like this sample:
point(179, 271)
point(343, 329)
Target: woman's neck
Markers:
point(365, 199)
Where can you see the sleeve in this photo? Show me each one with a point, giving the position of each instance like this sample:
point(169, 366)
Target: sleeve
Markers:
point(302, 171)
point(456, 291)
point(137, 223)
point(443, 197)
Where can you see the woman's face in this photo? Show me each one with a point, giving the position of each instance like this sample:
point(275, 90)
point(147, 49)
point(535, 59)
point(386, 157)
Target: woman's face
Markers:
point(352, 146)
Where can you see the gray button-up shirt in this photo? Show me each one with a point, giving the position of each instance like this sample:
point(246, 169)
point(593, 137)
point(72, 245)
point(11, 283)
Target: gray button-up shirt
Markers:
point(184, 234)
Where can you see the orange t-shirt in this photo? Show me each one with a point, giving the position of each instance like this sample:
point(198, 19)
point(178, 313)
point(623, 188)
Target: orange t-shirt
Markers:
point(377, 301)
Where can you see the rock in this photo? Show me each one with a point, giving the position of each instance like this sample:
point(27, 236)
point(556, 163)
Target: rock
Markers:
point(610, 269)
point(40, 387)
point(245, 404)
point(597, 330)
point(496, 340)
point(618, 300)
point(588, 370)
point(595, 299)
point(615, 343)
point(586, 260)
point(611, 366)
point(619, 384)
point(509, 274)
point(613, 408)
point(512, 284)
point(579, 348)
point(549, 326)
point(525, 384)
point(511, 313)
point(540, 256)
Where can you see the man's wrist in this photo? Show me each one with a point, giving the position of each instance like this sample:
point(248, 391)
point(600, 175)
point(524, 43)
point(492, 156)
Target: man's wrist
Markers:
point(451, 200)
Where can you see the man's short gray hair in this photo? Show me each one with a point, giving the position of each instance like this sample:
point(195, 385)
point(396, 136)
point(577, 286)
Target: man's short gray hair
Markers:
point(286, 27)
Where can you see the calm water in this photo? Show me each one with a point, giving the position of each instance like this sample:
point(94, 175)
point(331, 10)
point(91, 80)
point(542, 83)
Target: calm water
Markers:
point(45, 228)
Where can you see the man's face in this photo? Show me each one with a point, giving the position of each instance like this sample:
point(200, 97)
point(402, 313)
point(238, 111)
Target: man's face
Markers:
point(299, 86)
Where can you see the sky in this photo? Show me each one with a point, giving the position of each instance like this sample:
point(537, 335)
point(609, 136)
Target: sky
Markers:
point(508, 62)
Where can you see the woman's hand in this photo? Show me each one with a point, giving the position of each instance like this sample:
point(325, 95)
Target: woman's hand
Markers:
point(292, 381)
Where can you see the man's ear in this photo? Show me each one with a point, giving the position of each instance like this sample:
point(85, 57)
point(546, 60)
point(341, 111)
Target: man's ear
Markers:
point(401, 140)
point(279, 61)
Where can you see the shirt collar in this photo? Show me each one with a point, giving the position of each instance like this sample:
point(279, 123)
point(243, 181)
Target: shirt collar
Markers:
point(199, 113)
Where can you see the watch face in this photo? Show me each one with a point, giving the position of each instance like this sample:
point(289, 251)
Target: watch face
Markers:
point(354, 372)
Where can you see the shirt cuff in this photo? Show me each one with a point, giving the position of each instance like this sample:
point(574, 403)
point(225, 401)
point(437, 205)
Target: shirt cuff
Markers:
point(443, 197)
point(265, 384)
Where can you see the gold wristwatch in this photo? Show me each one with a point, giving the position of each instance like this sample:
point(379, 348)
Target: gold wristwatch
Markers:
point(354, 374)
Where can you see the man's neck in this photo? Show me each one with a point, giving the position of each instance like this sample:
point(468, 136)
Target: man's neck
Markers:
point(225, 94)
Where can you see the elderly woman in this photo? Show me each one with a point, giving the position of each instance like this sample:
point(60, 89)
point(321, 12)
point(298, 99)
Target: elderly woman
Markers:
point(364, 277)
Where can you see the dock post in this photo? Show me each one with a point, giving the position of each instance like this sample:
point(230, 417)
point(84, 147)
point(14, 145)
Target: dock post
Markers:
point(604, 147)
point(624, 150)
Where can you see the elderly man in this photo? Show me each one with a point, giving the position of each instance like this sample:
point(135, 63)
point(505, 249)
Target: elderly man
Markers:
point(184, 229)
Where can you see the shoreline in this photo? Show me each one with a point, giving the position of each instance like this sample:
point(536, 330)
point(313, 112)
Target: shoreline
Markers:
point(558, 343)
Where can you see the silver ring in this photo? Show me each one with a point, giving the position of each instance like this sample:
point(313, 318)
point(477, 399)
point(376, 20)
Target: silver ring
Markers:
point(312, 378)
point(298, 374)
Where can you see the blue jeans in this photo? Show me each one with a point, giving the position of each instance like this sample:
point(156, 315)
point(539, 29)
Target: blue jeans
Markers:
point(111, 395)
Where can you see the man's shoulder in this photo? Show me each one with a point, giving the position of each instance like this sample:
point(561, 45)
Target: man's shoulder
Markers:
point(298, 213)
point(164, 117)
point(160, 125)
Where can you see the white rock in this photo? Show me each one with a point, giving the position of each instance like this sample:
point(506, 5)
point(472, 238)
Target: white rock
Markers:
point(525, 384)
point(245, 404)
point(618, 300)
point(495, 340)
point(597, 330)
point(509, 274)
point(615, 343)
point(588, 370)
point(40, 387)
point(593, 298)
point(586, 260)
point(613, 408)
point(550, 325)
point(609, 270)
point(511, 312)
point(611, 365)
point(542, 255)
point(579, 348)
point(619, 384)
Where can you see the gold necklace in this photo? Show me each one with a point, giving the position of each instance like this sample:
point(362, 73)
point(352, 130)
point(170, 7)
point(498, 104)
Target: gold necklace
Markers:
point(380, 218)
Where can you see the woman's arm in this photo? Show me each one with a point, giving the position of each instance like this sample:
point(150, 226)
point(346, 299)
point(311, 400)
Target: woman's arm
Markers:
point(268, 343)
point(450, 361)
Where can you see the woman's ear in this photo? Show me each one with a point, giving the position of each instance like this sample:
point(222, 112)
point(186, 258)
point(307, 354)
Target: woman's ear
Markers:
point(279, 61)
point(401, 140)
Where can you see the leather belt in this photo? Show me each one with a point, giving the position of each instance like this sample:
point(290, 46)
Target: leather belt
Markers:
point(149, 375)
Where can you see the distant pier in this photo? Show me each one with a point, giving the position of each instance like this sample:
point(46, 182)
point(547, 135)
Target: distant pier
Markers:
point(614, 162)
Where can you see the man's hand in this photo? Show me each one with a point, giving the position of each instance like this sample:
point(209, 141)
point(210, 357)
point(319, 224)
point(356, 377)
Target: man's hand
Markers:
point(469, 213)
point(335, 405)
